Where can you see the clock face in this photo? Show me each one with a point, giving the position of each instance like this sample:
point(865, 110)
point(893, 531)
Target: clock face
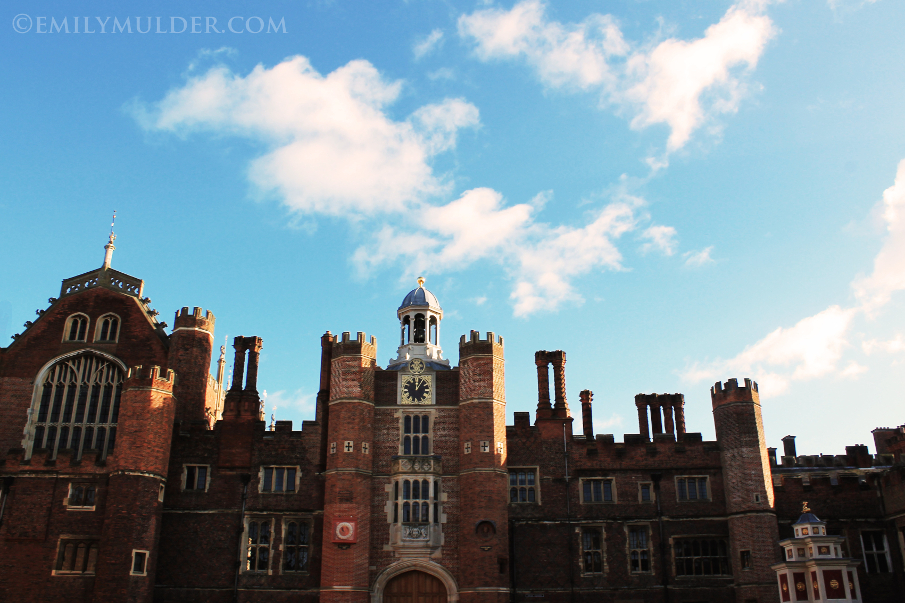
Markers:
point(416, 389)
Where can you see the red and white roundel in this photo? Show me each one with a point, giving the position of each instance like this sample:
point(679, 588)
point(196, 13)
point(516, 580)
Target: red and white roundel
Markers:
point(345, 530)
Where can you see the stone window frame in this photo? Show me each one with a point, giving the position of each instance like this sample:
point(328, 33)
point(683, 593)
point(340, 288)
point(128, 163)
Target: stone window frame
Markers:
point(650, 490)
point(536, 485)
point(695, 477)
point(433, 499)
point(88, 564)
point(262, 474)
point(710, 537)
point(76, 429)
point(185, 476)
point(601, 479)
point(284, 527)
point(420, 412)
point(602, 550)
point(67, 327)
point(745, 560)
point(99, 326)
point(876, 553)
point(629, 549)
point(69, 496)
point(144, 562)
point(246, 545)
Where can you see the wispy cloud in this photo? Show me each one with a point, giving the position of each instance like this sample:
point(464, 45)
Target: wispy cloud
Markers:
point(427, 44)
point(297, 402)
point(331, 149)
point(694, 259)
point(541, 259)
point(681, 83)
point(814, 346)
point(891, 346)
point(660, 238)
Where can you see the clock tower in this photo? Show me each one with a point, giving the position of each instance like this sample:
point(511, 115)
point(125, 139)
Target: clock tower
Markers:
point(419, 355)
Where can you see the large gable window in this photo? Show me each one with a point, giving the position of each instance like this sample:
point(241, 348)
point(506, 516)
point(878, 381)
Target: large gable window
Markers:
point(76, 406)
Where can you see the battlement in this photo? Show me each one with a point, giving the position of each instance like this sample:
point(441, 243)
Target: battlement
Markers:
point(475, 337)
point(153, 376)
point(723, 393)
point(475, 345)
point(345, 345)
point(194, 319)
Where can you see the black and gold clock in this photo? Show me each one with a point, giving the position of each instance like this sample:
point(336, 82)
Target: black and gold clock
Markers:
point(416, 389)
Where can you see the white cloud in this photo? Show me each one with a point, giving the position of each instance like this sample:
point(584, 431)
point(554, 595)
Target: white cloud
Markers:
point(853, 370)
point(427, 44)
point(297, 403)
point(332, 147)
point(875, 291)
point(563, 54)
point(680, 83)
point(600, 425)
point(890, 347)
point(661, 238)
point(694, 259)
point(814, 346)
point(542, 260)
point(810, 349)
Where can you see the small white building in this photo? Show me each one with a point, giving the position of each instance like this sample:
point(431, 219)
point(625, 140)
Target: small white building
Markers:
point(814, 568)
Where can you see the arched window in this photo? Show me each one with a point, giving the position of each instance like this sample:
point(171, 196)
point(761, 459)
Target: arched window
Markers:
point(76, 406)
point(406, 330)
point(433, 330)
point(416, 434)
point(419, 328)
point(107, 329)
point(76, 328)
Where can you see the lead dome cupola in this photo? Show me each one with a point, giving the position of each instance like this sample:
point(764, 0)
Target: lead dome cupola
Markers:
point(420, 297)
point(419, 321)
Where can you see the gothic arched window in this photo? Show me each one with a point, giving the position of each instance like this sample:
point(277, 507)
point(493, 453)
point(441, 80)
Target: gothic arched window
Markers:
point(76, 406)
point(107, 329)
point(76, 328)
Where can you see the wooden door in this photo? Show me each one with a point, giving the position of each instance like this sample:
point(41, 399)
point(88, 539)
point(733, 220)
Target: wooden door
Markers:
point(414, 587)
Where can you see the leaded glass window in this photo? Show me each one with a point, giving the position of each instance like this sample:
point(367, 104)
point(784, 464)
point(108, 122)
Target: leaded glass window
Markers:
point(295, 547)
point(258, 545)
point(77, 406)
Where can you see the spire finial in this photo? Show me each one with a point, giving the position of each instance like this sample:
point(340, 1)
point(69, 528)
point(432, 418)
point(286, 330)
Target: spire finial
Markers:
point(109, 247)
point(805, 508)
point(420, 281)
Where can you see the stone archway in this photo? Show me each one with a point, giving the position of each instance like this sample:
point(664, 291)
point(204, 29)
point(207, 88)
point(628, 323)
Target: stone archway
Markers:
point(415, 581)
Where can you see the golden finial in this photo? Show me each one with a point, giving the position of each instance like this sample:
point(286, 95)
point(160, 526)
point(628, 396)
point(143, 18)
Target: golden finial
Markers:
point(804, 507)
point(420, 281)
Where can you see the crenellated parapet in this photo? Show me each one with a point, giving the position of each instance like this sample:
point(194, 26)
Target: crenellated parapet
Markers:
point(194, 320)
point(729, 392)
point(152, 377)
point(346, 345)
point(474, 345)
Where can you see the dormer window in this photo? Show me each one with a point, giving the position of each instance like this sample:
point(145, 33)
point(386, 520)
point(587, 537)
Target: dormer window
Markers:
point(76, 327)
point(108, 329)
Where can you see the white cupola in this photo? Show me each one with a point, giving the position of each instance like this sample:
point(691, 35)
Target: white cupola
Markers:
point(419, 323)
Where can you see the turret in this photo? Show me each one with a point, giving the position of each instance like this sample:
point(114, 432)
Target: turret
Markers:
point(191, 347)
point(748, 487)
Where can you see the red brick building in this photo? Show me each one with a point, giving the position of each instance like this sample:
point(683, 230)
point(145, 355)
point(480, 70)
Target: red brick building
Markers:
point(132, 474)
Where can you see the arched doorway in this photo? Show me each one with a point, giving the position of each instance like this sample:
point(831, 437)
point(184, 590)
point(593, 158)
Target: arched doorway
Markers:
point(414, 587)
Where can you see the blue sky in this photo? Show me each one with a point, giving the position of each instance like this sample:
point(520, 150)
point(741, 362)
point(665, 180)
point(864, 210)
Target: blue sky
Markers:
point(673, 193)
